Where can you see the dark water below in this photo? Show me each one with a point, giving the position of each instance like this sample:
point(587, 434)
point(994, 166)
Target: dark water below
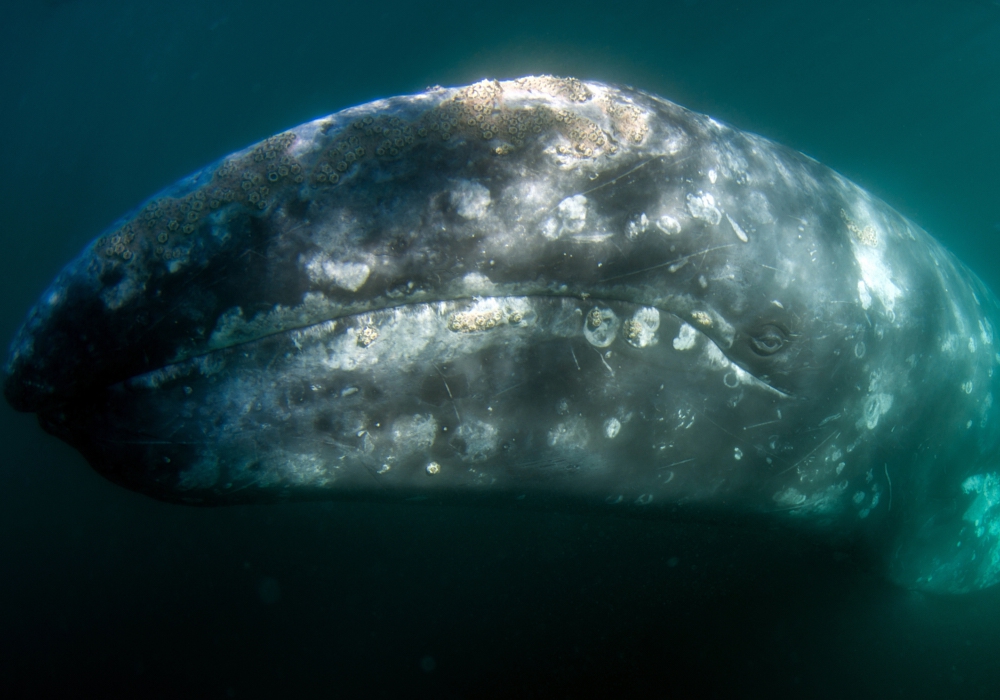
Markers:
point(103, 102)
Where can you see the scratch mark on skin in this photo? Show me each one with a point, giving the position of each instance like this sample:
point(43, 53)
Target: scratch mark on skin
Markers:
point(448, 389)
point(510, 388)
point(683, 461)
point(740, 440)
point(757, 425)
point(605, 362)
point(624, 174)
point(669, 263)
point(575, 361)
point(810, 453)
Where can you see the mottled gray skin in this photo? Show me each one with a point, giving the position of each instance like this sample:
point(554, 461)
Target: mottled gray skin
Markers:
point(624, 306)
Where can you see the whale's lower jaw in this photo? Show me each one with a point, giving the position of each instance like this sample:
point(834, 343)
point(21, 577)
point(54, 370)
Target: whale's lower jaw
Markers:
point(554, 399)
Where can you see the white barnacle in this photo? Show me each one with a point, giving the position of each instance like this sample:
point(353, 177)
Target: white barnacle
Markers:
point(685, 337)
point(702, 206)
point(640, 330)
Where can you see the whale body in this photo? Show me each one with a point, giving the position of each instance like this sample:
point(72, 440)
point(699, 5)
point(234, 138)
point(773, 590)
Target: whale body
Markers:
point(541, 291)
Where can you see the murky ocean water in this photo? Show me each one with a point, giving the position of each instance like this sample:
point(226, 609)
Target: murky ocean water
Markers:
point(104, 102)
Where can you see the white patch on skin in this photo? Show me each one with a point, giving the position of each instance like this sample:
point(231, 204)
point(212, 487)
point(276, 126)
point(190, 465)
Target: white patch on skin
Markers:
point(786, 273)
point(949, 344)
point(986, 333)
point(481, 439)
point(611, 427)
point(758, 209)
point(876, 406)
point(349, 276)
point(572, 433)
point(789, 497)
point(117, 296)
point(685, 337)
point(478, 283)
point(470, 200)
point(825, 501)
point(571, 217)
point(987, 486)
point(740, 233)
point(877, 276)
point(702, 206)
point(415, 432)
point(637, 226)
point(863, 296)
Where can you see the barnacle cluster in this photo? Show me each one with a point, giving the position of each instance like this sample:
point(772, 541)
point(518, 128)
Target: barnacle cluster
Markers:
point(367, 336)
point(594, 318)
point(867, 235)
point(566, 88)
point(379, 136)
point(480, 108)
point(477, 113)
point(632, 329)
point(250, 178)
point(626, 120)
point(472, 321)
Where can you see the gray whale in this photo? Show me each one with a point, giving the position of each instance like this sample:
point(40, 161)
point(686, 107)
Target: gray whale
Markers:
point(545, 292)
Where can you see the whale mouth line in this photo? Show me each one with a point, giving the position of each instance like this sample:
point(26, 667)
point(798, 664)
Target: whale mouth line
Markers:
point(479, 315)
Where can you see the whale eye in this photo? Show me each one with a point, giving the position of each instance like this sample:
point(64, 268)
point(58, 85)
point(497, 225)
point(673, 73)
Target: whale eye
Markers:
point(767, 341)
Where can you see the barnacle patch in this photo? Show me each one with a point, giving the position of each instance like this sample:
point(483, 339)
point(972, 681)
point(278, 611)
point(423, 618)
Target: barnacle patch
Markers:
point(867, 235)
point(566, 88)
point(640, 330)
point(627, 120)
point(367, 336)
point(482, 317)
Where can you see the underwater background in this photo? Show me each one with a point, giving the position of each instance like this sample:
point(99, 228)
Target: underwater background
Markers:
point(105, 102)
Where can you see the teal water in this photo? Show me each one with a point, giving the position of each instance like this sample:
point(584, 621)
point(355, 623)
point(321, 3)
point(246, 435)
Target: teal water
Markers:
point(104, 102)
